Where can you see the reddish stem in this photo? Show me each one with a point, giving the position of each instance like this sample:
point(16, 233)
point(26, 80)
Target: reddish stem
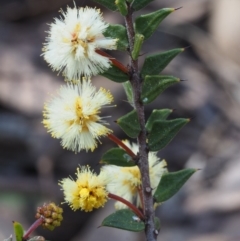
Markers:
point(36, 224)
point(130, 205)
point(121, 144)
point(113, 60)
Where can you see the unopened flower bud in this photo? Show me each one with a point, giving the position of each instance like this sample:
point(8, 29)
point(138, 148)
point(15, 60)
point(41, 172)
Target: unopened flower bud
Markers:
point(47, 213)
point(52, 215)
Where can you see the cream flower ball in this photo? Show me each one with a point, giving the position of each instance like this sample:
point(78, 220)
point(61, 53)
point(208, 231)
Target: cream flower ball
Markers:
point(126, 181)
point(87, 192)
point(73, 115)
point(73, 40)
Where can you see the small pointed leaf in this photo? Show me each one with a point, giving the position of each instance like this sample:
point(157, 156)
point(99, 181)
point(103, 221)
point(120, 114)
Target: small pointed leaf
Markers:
point(115, 74)
point(124, 219)
point(110, 4)
point(155, 63)
point(156, 116)
point(122, 7)
point(118, 157)
point(170, 184)
point(139, 4)
point(18, 231)
point(117, 31)
point(130, 124)
point(154, 85)
point(128, 90)
point(138, 41)
point(148, 23)
point(163, 132)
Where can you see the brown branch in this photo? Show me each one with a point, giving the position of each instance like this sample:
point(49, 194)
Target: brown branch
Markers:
point(136, 81)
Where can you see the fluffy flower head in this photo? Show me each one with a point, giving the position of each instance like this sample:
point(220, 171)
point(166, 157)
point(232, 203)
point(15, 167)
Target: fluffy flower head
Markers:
point(126, 181)
point(73, 116)
point(73, 40)
point(87, 192)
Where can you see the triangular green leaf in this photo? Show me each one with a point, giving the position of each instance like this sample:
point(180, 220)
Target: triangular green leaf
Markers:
point(170, 183)
point(115, 74)
point(18, 231)
point(117, 31)
point(154, 85)
point(148, 23)
point(139, 4)
point(118, 157)
point(163, 132)
point(124, 219)
point(155, 63)
point(110, 4)
point(130, 124)
point(157, 115)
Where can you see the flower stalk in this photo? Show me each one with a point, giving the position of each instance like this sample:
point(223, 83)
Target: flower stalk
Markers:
point(113, 60)
point(121, 144)
point(34, 226)
point(130, 205)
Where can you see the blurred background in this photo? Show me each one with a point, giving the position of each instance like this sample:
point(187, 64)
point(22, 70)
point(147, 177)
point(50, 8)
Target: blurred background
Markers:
point(31, 162)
